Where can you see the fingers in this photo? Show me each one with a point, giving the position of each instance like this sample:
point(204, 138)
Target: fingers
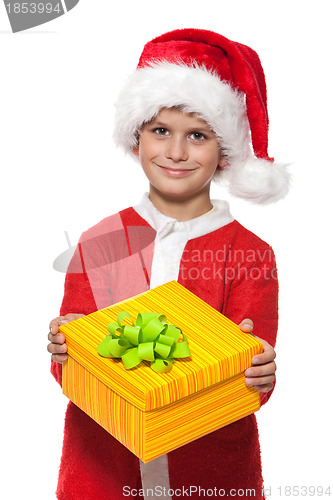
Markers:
point(266, 356)
point(57, 346)
point(61, 320)
point(264, 384)
point(57, 343)
point(261, 370)
point(261, 377)
point(260, 381)
point(58, 350)
point(246, 325)
point(54, 324)
point(59, 358)
point(263, 388)
point(59, 338)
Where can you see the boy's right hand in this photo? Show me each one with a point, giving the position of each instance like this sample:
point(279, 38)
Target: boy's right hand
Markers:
point(57, 346)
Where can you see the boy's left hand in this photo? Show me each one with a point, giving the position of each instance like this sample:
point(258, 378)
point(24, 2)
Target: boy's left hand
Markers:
point(262, 372)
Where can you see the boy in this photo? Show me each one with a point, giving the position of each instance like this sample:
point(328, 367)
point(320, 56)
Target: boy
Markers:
point(183, 114)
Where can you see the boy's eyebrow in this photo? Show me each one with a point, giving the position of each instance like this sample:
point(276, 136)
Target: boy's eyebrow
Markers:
point(201, 128)
point(156, 122)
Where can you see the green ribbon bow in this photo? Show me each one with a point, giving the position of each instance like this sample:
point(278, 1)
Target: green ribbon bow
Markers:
point(150, 339)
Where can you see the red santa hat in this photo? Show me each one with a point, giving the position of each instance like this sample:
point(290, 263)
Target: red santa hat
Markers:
point(223, 83)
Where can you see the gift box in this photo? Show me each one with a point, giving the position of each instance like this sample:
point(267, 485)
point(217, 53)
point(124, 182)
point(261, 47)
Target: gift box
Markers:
point(154, 413)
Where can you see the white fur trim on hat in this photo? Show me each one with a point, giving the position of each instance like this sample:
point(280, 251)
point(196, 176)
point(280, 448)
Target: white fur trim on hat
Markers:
point(198, 90)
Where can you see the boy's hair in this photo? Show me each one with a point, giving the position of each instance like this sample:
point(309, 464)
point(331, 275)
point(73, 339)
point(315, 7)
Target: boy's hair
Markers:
point(221, 82)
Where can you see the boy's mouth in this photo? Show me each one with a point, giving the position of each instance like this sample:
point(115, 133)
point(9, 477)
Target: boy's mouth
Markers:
point(176, 172)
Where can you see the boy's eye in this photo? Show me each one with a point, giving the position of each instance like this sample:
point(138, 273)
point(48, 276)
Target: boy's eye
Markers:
point(160, 131)
point(197, 136)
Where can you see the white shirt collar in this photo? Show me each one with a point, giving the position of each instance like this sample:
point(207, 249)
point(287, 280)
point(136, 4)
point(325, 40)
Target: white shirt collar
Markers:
point(218, 217)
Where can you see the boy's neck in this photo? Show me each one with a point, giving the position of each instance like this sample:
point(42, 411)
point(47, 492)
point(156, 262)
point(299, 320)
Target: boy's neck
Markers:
point(179, 208)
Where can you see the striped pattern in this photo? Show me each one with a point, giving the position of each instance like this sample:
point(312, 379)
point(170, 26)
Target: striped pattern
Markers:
point(152, 434)
point(141, 408)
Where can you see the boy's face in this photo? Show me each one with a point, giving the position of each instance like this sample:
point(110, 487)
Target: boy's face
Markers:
point(179, 154)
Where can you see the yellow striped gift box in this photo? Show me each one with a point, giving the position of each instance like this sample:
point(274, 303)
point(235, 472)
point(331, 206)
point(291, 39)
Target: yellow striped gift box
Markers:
point(151, 413)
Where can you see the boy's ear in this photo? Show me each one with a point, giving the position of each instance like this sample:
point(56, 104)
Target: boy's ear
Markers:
point(222, 163)
point(135, 150)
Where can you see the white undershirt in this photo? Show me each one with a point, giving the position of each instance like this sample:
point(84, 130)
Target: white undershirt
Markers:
point(171, 238)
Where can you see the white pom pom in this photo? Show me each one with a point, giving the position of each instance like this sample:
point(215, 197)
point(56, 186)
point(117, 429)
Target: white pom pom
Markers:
point(256, 180)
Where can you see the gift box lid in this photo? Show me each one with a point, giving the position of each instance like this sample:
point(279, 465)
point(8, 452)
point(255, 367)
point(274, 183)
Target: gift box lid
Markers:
point(219, 349)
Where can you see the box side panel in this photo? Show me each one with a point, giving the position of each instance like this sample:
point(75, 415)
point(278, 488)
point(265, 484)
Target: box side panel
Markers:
point(177, 424)
point(118, 417)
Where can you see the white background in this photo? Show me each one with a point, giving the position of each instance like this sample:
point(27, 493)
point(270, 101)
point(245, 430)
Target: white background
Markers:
point(61, 172)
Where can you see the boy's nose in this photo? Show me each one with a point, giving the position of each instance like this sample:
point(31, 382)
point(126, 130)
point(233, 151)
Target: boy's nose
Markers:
point(176, 149)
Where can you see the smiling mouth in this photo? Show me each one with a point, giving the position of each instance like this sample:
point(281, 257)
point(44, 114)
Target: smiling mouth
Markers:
point(176, 171)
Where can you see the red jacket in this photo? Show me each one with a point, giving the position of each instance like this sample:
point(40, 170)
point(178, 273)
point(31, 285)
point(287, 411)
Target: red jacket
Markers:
point(231, 269)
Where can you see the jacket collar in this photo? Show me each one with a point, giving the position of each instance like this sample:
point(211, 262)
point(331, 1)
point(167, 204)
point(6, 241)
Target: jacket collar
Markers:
point(217, 217)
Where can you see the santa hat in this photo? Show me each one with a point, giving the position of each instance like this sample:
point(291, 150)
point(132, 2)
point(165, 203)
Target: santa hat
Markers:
point(223, 83)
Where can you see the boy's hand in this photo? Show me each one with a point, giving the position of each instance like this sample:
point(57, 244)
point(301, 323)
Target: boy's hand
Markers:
point(57, 346)
point(262, 372)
